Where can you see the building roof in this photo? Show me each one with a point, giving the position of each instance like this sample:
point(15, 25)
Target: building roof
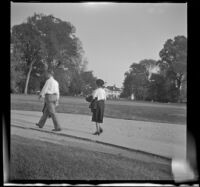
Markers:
point(113, 88)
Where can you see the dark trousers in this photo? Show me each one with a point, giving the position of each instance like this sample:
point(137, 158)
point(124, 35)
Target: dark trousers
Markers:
point(49, 110)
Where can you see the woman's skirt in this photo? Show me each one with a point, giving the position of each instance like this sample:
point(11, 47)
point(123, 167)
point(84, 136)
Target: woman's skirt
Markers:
point(98, 113)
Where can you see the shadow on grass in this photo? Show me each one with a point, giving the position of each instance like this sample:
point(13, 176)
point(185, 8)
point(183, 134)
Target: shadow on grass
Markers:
point(39, 160)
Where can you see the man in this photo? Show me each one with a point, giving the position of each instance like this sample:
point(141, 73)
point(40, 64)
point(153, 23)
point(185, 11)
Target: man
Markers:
point(50, 93)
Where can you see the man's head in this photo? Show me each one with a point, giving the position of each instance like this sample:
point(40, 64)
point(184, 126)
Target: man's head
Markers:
point(49, 74)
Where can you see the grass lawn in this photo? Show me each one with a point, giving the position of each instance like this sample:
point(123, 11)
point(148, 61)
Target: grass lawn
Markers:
point(39, 160)
point(143, 111)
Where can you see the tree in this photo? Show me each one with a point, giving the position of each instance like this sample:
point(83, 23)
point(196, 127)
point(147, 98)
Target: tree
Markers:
point(150, 66)
point(27, 40)
point(183, 90)
point(75, 87)
point(63, 77)
point(157, 88)
point(88, 82)
point(16, 66)
point(61, 43)
point(63, 48)
point(173, 61)
point(47, 42)
point(135, 82)
point(137, 78)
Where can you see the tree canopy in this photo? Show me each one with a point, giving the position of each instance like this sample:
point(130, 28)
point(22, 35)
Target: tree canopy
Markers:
point(41, 43)
point(174, 62)
point(135, 81)
point(45, 42)
point(163, 80)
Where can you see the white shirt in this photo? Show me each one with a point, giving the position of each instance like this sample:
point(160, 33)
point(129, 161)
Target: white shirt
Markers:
point(51, 87)
point(99, 93)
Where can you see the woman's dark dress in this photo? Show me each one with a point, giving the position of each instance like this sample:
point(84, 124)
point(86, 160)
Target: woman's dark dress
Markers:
point(98, 111)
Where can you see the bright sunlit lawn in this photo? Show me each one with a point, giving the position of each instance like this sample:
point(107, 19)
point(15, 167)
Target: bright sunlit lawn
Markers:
point(131, 110)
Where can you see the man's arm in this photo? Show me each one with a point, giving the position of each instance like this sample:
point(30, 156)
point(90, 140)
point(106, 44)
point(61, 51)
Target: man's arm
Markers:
point(44, 89)
point(58, 95)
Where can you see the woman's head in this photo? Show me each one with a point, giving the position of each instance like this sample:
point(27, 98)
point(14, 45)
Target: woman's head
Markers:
point(99, 82)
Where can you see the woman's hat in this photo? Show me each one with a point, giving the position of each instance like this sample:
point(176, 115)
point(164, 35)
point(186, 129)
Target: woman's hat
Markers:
point(99, 82)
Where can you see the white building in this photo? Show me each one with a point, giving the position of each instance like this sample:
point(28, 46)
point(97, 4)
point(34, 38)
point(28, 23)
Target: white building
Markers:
point(112, 92)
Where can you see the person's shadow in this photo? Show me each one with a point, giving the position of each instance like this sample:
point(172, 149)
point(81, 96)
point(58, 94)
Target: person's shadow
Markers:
point(22, 121)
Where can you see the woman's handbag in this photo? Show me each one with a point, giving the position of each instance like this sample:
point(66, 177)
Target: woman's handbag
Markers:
point(89, 98)
point(93, 105)
point(93, 102)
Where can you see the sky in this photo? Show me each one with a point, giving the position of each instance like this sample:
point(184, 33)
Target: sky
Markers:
point(114, 35)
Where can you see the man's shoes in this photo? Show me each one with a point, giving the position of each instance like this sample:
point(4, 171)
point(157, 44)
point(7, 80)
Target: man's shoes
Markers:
point(59, 129)
point(38, 125)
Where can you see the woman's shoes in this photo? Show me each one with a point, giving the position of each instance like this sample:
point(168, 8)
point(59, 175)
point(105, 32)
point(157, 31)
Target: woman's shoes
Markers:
point(100, 130)
point(96, 133)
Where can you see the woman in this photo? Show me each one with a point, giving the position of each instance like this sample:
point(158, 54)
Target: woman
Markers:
point(97, 106)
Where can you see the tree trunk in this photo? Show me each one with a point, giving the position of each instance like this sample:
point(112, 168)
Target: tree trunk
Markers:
point(179, 83)
point(28, 77)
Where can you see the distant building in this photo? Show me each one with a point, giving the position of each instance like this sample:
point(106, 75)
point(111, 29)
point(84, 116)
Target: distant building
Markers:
point(113, 92)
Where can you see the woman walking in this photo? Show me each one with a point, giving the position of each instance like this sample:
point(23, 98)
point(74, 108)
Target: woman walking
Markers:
point(97, 106)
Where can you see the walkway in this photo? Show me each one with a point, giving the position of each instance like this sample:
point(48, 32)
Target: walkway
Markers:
point(167, 140)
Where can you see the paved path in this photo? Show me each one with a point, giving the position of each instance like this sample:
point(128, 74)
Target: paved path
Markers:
point(163, 139)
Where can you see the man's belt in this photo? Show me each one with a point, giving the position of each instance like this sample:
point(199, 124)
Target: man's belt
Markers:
point(51, 94)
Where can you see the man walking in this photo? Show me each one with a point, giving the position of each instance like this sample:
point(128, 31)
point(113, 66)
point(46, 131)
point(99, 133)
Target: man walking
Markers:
point(50, 93)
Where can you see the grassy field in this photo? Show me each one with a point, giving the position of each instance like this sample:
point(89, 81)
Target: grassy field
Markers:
point(131, 110)
point(29, 161)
